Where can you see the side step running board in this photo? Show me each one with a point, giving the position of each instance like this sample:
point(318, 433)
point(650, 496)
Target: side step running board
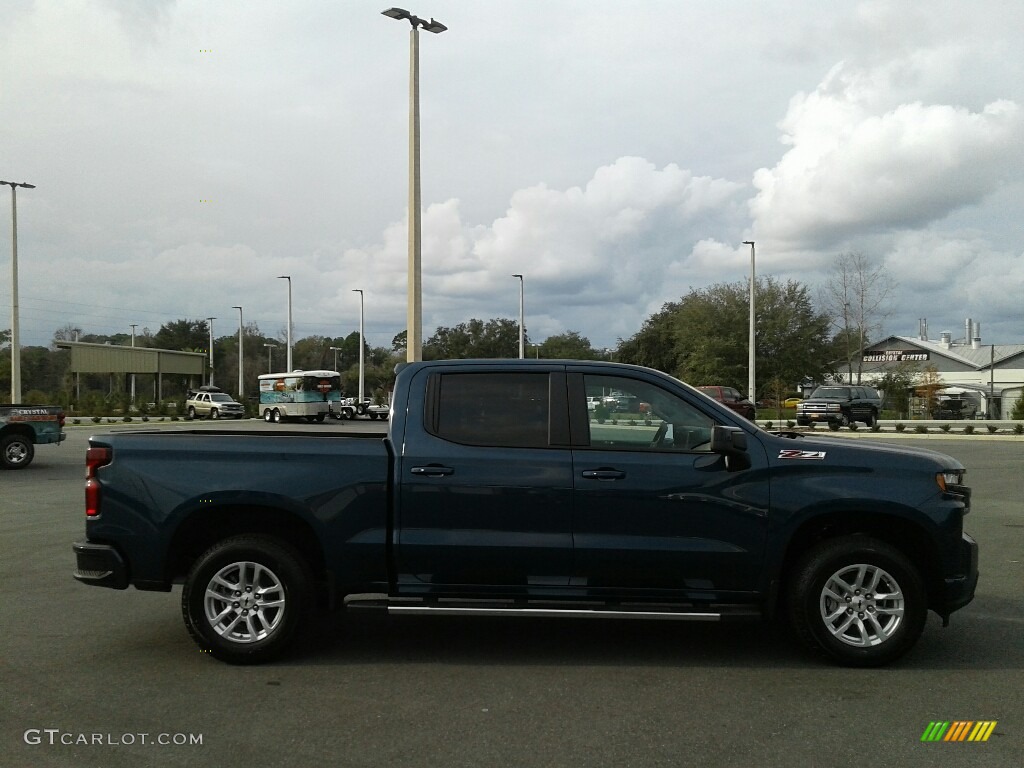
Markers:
point(572, 613)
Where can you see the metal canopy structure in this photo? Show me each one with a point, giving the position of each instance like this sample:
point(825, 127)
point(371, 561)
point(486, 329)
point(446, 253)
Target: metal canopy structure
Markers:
point(87, 357)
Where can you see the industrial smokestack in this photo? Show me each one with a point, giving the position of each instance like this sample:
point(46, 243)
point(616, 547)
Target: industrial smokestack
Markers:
point(976, 339)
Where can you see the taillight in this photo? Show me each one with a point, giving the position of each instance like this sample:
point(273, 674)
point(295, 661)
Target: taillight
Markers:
point(94, 459)
point(60, 420)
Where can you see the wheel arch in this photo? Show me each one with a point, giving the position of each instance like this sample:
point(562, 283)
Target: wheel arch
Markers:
point(909, 537)
point(204, 528)
point(23, 430)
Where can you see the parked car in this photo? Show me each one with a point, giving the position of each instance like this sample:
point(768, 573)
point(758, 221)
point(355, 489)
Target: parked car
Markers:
point(955, 407)
point(23, 427)
point(792, 402)
point(212, 403)
point(840, 406)
point(731, 398)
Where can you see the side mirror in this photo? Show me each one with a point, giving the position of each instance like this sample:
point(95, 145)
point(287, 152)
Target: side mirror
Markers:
point(731, 442)
point(728, 440)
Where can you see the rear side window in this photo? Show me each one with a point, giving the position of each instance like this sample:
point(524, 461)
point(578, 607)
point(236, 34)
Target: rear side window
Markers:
point(493, 409)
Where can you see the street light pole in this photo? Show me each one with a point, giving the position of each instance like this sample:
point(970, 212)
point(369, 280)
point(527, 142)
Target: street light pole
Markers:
point(335, 357)
point(522, 335)
point(289, 331)
point(414, 331)
point(241, 379)
point(210, 321)
point(270, 357)
point(361, 345)
point(15, 328)
point(134, 326)
point(751, 378)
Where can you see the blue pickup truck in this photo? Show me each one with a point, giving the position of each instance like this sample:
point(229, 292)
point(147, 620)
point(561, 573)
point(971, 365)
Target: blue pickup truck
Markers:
point(497, 492)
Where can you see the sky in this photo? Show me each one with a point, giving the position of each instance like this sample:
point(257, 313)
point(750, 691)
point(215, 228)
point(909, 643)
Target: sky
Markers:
point(617, 154)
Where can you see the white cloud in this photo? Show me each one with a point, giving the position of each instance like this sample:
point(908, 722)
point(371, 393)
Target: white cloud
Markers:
point(858, 163)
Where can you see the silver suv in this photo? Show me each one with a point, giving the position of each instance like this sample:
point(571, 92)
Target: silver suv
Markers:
point(210, 402)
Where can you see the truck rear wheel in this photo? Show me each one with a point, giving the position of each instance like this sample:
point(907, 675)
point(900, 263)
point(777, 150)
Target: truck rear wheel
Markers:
point(858, 600)
point(16, 451)
point(245, 599)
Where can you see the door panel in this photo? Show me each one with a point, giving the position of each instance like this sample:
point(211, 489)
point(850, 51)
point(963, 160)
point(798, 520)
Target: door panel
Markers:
point(657, 511)
point(472, 514)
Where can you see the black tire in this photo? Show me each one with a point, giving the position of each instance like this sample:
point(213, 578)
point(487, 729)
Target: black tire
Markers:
point(191, 412)
point(214, 413)
point(273, 602)
point(16, 452)
point(374, 416)
point(361, 409)
point(267, 416)
point(275, 416)
point(869, 631)
point(320, 418)
point(871, 419)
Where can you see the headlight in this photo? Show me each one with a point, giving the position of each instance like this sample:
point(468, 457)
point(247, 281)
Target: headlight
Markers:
point(949, 478)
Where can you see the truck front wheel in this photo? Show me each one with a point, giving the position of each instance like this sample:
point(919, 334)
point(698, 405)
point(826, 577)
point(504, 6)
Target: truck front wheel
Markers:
point(16, 452)
point(858, 600)
point(245, 599)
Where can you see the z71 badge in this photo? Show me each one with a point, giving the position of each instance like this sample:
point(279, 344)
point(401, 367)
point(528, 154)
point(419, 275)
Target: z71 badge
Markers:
point(790, 453)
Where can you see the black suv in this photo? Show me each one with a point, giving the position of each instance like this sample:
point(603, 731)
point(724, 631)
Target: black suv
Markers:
point(839, 406)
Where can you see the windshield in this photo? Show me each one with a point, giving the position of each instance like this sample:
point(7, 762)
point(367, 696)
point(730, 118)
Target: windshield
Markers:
point(837, 392)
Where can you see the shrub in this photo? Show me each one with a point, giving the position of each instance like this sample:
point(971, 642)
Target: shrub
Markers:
point(76, 421)
point(876, 427)
point(97, 419)
point(790, 424)
point(767, 425)
point(126, 418)
point(969, 429)
point(921, 429)
point(853, 426)
point(145, 418)
point(1018, 429)
point(992, 428)
point(175, 417)
point(944, 427)
point(900, 427)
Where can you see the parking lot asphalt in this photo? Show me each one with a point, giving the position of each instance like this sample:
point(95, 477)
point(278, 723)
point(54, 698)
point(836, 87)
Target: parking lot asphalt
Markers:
point(117, 669)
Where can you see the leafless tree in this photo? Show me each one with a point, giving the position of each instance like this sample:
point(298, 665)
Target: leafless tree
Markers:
point(856, 295)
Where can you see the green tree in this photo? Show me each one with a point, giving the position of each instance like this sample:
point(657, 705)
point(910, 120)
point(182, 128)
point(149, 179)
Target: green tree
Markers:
point(476, 339)
point(703, 337)
point(183, 335)
point(896, 383)
point(568, 346)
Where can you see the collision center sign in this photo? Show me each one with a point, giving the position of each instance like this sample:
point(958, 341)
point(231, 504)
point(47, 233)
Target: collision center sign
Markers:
point(896, 356)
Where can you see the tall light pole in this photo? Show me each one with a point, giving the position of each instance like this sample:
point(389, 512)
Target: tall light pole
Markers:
point(414, 331)
point(241, 379)
point(751, 378)
point(361, 346)
point(15, 329)
point(522, 335)
point(134, 326)
point(289, 331)
point(270, 358)
point(336, 350)
point(210, 321)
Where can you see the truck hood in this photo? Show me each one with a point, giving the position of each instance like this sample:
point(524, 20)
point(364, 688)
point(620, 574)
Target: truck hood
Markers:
point(865, 452)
